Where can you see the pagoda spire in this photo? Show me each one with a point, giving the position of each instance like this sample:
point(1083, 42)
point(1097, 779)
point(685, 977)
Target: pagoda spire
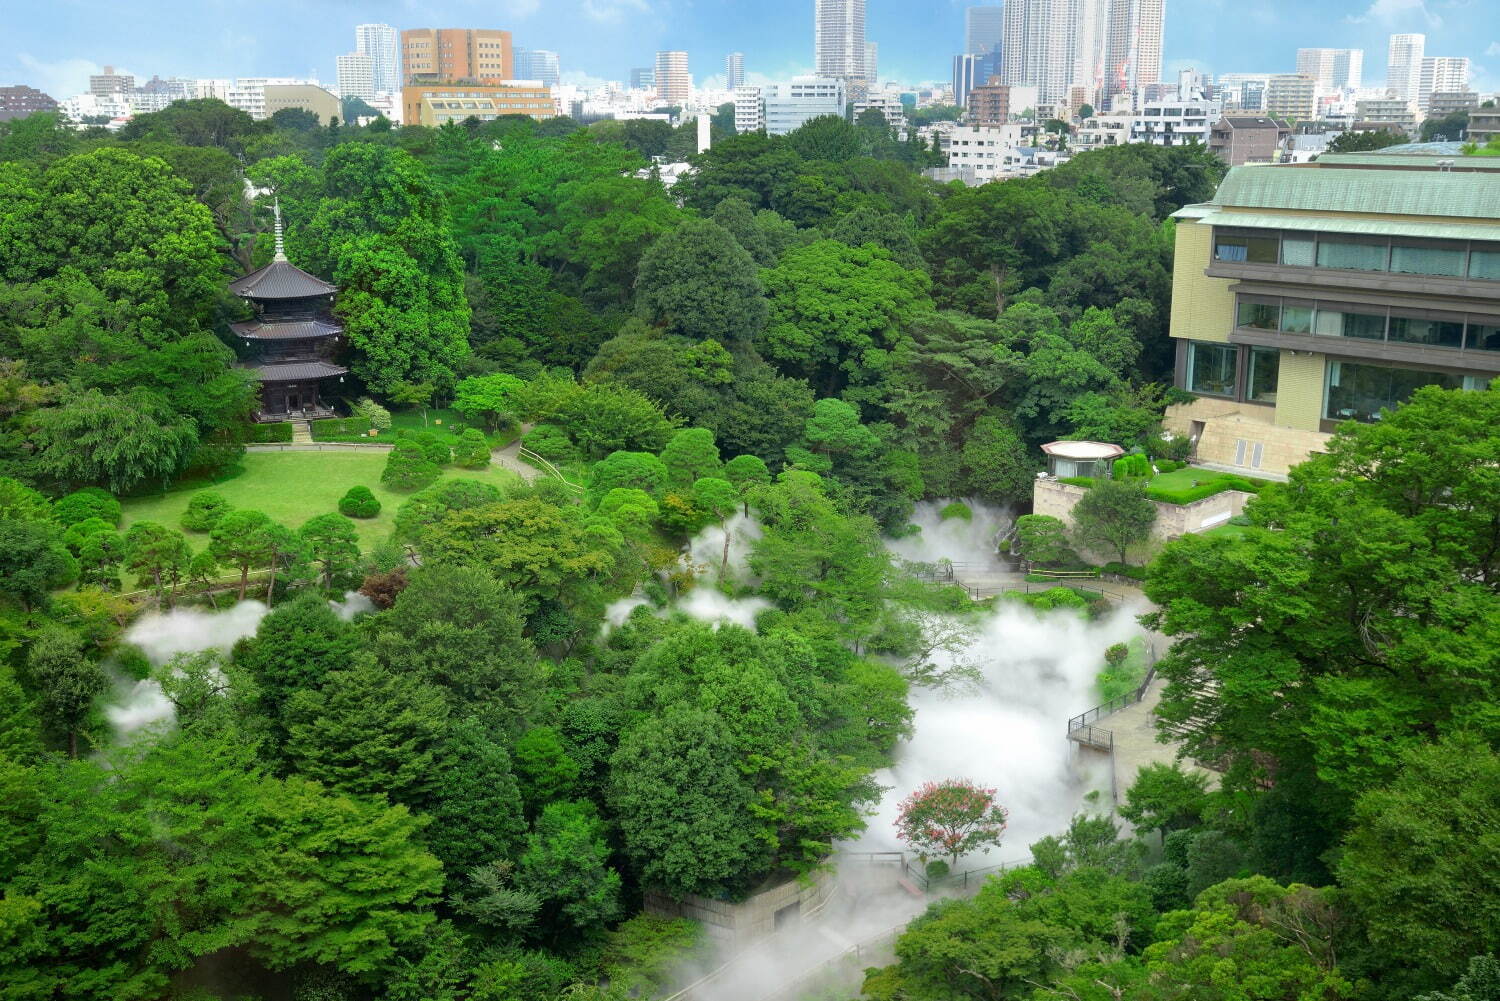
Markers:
point(280, 244)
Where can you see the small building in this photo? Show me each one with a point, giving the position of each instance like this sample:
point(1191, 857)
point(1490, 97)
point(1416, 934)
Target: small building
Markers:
point(435, 104)
point(305, 96)
point(1238, 140)
point(1081, 458)
point(293, 336)
point(21, 100)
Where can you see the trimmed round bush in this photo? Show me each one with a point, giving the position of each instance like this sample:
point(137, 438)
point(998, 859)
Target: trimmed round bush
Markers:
point(359, 503)
point(90, 502)
point(408, 468)
point(551, 442)
point(937, 869)
point(473, 451)
point(204, 511)
point(958, 509)
point(437, 452)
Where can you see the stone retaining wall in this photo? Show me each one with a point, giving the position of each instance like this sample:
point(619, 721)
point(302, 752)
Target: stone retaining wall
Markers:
point(755, 917)
point(1054, 498)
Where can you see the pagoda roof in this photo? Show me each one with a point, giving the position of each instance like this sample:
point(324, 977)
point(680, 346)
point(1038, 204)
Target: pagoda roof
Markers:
point(285, 330)
point(280, 280)
point(296, 371)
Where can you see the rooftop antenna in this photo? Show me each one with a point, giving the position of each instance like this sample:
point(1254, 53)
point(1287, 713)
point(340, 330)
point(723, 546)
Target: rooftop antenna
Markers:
point(280, 244)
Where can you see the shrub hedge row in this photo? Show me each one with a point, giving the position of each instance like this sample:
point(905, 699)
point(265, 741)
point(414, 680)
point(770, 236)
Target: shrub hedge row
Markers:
point(271, 434)
point(338, 428)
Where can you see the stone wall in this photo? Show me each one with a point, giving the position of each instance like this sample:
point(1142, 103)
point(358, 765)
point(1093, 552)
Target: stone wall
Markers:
point(1051, 497)
point(755, 917)
point(1225, 424)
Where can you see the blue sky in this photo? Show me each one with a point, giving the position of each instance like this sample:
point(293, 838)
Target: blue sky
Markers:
point(55, 44)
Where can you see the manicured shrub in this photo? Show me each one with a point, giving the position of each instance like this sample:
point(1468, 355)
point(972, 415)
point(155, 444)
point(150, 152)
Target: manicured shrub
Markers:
point(1168, 465)
point(408, 468)
point(957, 509)
point(1214, 484)
point(437, 452)
point(937, 869)
point(359, 503)
point(1078, 481)
point(204, 511)
point(551, 442)
point(90, 502)
point(337, 428)
point(473, 450)
point(378, 416)
point(1132, 467)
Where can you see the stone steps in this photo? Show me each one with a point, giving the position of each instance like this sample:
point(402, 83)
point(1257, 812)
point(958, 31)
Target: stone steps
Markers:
point(301, 433)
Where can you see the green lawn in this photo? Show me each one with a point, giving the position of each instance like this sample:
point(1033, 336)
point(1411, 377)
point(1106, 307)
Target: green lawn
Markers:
point(1228, 530)
point(292, 487)
point(1182, 479)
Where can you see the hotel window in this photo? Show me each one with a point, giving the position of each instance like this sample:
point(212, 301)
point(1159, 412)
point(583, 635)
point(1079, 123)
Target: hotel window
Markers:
point(1296, 319)
point(1484, 264)
point(1427, 261)
point(1298, 252)
point(1259, 315)
point(1484, 336)
point(1331, 321)
point(1352, 256)
point(1211, 368)
point(1360, 392)
point(1241, 249)
point(1265, 366)
point(1431, 330)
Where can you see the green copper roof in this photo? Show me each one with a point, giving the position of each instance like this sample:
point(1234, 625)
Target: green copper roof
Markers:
point(1331, 186)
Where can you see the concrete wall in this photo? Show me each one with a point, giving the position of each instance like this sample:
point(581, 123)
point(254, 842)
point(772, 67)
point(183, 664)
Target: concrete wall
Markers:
point(752, 918)
point(1299, 390)
point(1226, 423)
point(1050, 497)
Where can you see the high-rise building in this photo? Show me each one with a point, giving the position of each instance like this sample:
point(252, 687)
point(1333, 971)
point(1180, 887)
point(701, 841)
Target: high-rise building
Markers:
point(872, 62)
point(984, 29)
point(1048, 43)
point(1334, 69)
point(453, 55)
point(674, 84)
point(1403, 65)
point(749, 109)
point(382, 44)
point(109, 82)
point(839, 40)
point(643, 78)
point(1441, 73)
point(1292, 96)
point(1132, 45)
point(356, 76)
point(788, 106)
point(734, 70)
point(538, 64)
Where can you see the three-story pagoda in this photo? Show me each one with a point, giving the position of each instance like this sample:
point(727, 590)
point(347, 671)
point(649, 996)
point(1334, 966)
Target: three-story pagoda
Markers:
point(293, 335)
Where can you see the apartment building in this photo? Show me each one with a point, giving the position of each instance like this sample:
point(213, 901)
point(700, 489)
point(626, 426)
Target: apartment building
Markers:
point(785, 107)
point(21, 100)
point(997, 103)
point(435, 104)
point(449, 55)
point(985, 152)
point(1310, 294)
point(1484, 125)
point(1292, 96)
point(1238, 140)
point(1175, 123)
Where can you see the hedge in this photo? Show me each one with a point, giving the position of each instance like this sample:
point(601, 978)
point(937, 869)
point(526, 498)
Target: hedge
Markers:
point(271, 434)
point(1078, 481)
point(1124, 570)
point(1188, 495)
point(340, 427)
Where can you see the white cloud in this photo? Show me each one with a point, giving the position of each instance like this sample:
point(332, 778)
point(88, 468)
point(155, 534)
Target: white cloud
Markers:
point(61, 79)
point(1493, 50)
point(1387, 13)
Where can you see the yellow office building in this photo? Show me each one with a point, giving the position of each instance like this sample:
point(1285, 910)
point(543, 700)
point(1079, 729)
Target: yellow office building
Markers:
point(1310, 294)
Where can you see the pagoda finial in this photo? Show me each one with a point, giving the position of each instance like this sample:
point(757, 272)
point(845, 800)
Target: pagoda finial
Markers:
point(280, 244)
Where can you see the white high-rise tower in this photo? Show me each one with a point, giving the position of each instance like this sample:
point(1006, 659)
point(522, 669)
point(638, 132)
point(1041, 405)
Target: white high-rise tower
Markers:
point(839, 40)
point(1132, 45)
point(380, 43)
point(1403, 66)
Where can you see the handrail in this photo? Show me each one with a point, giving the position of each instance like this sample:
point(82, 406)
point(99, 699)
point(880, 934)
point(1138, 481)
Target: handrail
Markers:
point(547, 467)
point(1084, 720)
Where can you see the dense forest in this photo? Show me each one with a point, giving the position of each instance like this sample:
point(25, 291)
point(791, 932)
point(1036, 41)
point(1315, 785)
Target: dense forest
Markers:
point(466, 792)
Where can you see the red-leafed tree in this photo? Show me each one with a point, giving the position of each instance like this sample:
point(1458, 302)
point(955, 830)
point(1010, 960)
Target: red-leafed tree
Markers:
point(952, 817)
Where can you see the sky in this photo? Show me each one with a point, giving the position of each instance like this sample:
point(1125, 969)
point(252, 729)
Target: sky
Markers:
point(55, 44)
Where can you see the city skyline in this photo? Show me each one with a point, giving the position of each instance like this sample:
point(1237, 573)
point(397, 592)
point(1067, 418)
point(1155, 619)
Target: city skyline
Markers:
point(55, 49)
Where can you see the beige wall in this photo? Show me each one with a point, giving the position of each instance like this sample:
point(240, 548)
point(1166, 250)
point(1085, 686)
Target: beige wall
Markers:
point(1202, 307)
point(315, 99)
point(1299, 390)
point(1226, 424)
point(752, 918)
point(1050, 497)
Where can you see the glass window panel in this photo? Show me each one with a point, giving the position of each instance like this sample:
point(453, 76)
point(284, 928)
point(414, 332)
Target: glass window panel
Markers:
point(1337, 323)
point(1484, 336)
point(1351, 256)
point(1360, 392)
point(1255, 249)
point(1231, 250)
point(1297, 319)
point(1265, 366)
point(1297, 253)
point(1484, 264)
point(1261, 315)
point(1439, 333)
point(1427, 261)
point(1211, 369)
